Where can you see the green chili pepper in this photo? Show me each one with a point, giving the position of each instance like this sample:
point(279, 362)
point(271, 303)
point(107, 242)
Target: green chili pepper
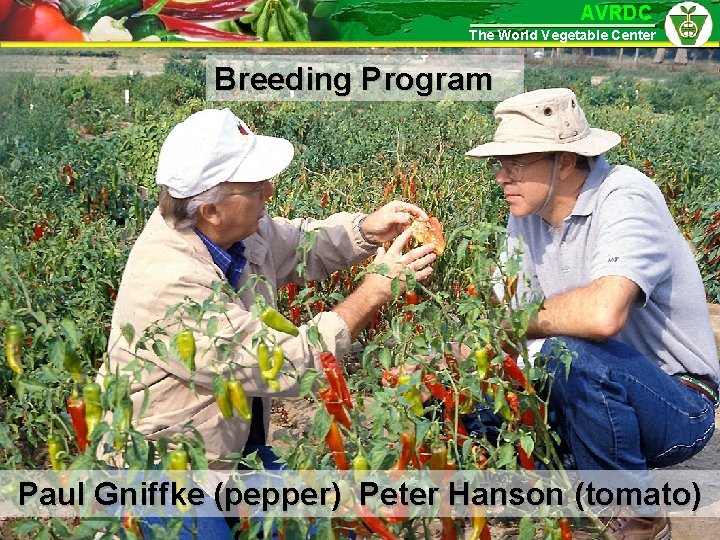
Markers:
point(412, 395)
point(142, 26)
point(263, 357)
point(222, 396)
point(481, 358)
point(277, 321)
point(13, 348)
point(73, 364)
point(186, 348)
point(55, 445)
point(278, 361)
point(93, 409)
point(177, 472)
point(360, 466)
point(239, 400)
point(122, 419)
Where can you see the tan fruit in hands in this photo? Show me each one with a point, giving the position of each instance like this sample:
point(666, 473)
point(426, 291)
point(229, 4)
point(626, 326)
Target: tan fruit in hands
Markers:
point(430, 231)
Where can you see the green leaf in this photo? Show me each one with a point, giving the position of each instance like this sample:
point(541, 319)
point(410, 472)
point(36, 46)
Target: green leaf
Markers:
point(71, 332)
point(128, 333)
point(212, 326)
point(160, 349)
point(307, 383)
point(506, 456)
point(527, 443)
point(26, 526)
point(527, 528)
point(313, 335)
point(385, 358)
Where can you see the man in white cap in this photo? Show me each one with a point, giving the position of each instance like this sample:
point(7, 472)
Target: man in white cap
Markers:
point(211, 227)
point(620, 287)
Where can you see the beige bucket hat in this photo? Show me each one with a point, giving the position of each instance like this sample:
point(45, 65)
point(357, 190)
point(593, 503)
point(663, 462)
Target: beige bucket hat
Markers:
point(547, 120)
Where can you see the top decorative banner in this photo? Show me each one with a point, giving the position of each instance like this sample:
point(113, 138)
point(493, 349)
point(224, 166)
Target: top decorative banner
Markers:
point(492, 23)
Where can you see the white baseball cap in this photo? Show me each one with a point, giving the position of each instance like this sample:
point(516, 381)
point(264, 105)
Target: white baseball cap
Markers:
point(214, 146)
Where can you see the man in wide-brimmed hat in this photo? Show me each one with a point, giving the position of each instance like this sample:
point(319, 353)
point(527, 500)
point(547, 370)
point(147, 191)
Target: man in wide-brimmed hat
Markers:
point(620, 287)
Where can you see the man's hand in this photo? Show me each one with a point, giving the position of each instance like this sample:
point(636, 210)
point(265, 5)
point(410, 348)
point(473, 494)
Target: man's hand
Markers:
point(386, 223)
point(376, 289)
point(417, 261)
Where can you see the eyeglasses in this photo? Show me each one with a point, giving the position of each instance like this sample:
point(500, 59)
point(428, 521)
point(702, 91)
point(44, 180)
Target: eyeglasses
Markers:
point(514, 169)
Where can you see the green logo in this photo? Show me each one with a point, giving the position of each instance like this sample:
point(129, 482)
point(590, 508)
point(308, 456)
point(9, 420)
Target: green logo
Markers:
point(688, 25)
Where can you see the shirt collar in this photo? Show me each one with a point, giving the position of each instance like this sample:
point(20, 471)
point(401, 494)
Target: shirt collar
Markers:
point(586, 200)
point(231, 261)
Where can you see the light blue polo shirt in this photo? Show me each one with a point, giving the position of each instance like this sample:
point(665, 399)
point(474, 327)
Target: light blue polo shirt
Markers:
point(621, 226)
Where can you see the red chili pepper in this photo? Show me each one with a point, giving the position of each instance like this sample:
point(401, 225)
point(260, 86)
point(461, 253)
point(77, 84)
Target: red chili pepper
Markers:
point(565, 530)
point(325, 199)
point(336, 446)
point(390, 378)
point(527, 462)
point(438, 390)
point(174, 24)
point(527, 417)
point(515, 373)
point(376, 525)
point(396, 514)
point(513, 402)
point(408, 449)
point(335, 377)
point(39, 231)
point(131, 525)
point(471, 290)
point(76, 409)
point(295, 314)
point(449, 531)
point(334, 406)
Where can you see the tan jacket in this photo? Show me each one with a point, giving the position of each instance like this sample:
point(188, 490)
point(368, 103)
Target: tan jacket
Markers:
point(167, 266)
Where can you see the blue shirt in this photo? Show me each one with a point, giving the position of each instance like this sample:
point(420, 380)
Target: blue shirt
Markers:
point(232, 262)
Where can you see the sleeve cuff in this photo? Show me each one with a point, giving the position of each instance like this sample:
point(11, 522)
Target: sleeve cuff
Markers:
point(363, 242)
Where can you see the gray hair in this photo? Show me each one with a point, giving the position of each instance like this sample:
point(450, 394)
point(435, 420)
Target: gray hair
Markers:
point(182, 213)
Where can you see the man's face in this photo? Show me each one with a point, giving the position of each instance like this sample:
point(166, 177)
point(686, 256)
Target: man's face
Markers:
point(241, 210)
point(525, 180)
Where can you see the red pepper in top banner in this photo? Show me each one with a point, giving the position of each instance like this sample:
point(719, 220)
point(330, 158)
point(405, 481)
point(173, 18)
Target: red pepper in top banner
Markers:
point(335, 377)
point(38, 21)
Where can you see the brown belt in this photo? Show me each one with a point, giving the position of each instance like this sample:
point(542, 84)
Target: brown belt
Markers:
point(701, 383)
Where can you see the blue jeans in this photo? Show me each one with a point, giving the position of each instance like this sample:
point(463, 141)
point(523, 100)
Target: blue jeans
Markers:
point(617, 410)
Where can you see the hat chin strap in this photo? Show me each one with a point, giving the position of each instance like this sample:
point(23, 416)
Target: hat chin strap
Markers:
point(553, 179)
